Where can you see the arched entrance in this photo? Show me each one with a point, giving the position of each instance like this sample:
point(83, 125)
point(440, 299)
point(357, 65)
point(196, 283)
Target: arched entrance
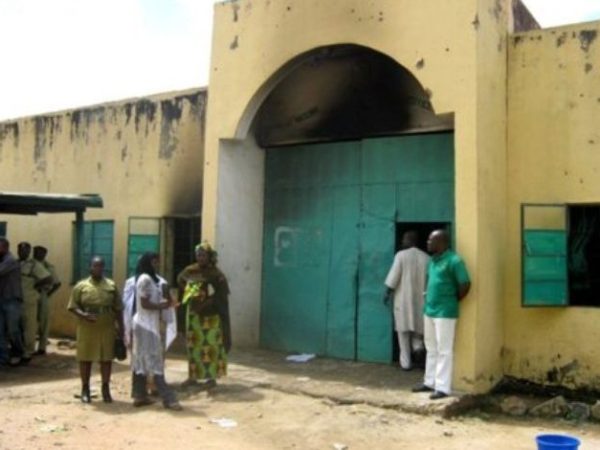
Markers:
point(354, 153)
point(336, 152)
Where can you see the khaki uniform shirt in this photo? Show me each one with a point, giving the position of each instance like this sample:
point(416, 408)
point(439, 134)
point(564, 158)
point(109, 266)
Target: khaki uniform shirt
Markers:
point(96, 297)
point(55, 280)
point(32, 272)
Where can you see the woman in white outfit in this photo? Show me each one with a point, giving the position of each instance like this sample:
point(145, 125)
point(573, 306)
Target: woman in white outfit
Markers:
point(148, 349)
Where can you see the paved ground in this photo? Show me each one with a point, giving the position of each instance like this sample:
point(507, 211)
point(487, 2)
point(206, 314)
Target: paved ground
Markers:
point(276, 405)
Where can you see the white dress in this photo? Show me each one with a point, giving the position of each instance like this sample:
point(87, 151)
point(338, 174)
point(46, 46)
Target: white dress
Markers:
point(407, 277)
point(147, 356)
point(168, 316)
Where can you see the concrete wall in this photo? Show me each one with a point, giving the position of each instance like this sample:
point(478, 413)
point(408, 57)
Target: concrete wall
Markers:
point(143, 156)
point(553, 148)
point(460, 57)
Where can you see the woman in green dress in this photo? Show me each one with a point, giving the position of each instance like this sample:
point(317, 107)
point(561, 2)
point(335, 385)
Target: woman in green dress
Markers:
point(97, 304)
point(205, 295)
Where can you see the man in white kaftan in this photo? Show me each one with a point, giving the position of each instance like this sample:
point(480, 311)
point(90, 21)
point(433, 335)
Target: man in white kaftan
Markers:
point(406, 279)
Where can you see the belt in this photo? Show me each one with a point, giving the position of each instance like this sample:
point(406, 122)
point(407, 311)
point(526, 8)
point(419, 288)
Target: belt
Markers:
point(98, 309)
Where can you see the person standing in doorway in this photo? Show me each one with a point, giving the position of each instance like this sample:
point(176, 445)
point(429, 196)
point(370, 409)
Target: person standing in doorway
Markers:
point(447, 283)
point(11, 305)
point(39, 254)
point(405, 283)
point(97, 304)
point(34, 278)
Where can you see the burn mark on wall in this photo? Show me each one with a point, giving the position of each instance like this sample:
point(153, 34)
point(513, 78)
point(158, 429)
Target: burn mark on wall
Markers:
point(561, 39)
point(496, 11)
point(586, 38)
point(235, 8)
point(81, 120)
point(170, 114)
point(124, 153)
point(557, 375)
point(46, 127)
point(128, 108)
point(475, 22)
point(517, 40)
point(234, 44)
point(588, 67)
point(9, 128)
point(420, 64)
point(144, 109)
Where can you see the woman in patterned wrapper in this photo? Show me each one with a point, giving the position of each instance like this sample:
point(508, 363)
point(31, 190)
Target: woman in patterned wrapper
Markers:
point(205, 294)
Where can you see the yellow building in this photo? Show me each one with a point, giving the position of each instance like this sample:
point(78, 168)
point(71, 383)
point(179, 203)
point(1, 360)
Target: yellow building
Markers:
point(142, 156)
point(332, 126)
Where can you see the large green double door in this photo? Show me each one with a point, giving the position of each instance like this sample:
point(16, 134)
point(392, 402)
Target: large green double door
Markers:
point(329, 238)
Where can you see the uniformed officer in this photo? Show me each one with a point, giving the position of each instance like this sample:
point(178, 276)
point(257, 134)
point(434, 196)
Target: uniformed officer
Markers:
point(34, 278)
point(39, 254)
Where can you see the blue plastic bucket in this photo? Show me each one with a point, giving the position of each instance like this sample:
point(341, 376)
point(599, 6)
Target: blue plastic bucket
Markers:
point(556, 442)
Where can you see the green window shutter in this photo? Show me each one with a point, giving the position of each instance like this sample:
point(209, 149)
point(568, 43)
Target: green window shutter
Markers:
point(3, 229)
point(97, 241)
point(144, 236)
point(544, 256)
point(102, 244)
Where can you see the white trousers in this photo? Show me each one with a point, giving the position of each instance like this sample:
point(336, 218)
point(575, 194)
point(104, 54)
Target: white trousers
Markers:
point(408, 342)
point(439, 343)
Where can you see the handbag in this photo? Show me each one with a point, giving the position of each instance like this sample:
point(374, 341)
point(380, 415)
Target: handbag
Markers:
point(120, 349)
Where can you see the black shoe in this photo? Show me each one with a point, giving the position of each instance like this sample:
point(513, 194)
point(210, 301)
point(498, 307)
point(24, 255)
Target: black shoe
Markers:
point(438, 395)
point(140, 402)
point(422, 388)
point(40, 352)
point(14, 362)
point(85, 394)
point(25, 361)
point(106, 397)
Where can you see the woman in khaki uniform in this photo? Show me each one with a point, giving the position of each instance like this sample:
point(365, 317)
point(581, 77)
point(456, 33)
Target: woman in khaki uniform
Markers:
point(98, 307)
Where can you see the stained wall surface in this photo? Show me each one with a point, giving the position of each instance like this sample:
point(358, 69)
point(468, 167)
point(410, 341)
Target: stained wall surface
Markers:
point(459, 58)
point(553, 158)
point(143, 156)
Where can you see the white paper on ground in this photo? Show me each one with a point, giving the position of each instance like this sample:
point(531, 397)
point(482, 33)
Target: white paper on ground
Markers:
point(301, 358)
point(223, 422)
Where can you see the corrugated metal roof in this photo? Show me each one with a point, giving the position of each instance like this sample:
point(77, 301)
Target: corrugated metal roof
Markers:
point(31, 203)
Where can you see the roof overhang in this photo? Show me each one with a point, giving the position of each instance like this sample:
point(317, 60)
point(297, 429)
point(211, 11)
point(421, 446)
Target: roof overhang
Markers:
point(33, 203)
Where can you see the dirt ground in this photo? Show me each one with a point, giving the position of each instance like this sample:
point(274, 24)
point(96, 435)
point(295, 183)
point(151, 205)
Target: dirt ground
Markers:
point(262, 396)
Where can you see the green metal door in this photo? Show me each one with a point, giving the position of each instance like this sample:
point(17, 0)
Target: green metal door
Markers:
point(302, 241)
point(377, 236)
point(330, 219)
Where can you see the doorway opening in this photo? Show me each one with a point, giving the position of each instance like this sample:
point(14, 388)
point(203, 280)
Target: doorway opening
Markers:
point(423, 230)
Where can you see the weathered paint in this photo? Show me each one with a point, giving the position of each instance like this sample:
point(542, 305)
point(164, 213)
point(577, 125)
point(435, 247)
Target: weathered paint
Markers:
point(553, 148)
point(469, 81)
point(144, 157)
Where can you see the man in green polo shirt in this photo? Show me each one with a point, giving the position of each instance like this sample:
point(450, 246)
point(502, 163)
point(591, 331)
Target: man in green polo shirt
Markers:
point(447, 283)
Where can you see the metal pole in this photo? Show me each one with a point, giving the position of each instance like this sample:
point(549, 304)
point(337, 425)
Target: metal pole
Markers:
point(78, 245)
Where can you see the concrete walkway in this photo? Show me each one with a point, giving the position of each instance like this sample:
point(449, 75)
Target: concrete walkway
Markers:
point(341, 382)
